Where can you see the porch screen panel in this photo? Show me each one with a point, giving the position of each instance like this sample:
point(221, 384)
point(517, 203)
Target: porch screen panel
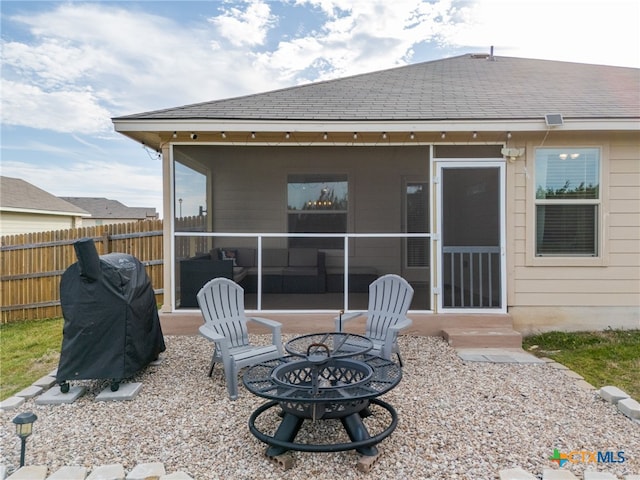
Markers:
point(471, 263)
point(417, 221)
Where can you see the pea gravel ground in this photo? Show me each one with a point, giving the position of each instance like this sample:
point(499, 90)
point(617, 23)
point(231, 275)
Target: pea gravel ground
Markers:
point(457, 420)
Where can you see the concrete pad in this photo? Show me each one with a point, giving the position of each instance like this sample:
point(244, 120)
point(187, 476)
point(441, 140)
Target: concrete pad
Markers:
point(156, 363)
point(3, 472)
point(29, 392)
point(612, 394)
point(591, 475)
point(572, 374)
point(557, 366)
point(497, 355)
point(11, 403)
point(31, 472)
point(516, 474)
point(585, 385)
point(69, 473)
point(631, 477)
point(176, 476)
point(630, 407)
point(147, 471)
point(126, 391)
point(114, 471)
point(45, 382)
point(550, 474)
point(54, 396)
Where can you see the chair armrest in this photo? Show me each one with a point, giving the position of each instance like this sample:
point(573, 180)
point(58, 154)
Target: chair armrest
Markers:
point(345, 318)
point(276, 330)
point(401, 325)
point(220, 340)
point(392, 336)
point(267, 322)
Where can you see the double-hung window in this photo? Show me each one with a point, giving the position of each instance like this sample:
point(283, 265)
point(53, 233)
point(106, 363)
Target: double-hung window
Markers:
point(567, 203)
point(317, 203)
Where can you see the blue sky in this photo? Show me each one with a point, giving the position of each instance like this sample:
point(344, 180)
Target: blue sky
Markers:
point(68, 67)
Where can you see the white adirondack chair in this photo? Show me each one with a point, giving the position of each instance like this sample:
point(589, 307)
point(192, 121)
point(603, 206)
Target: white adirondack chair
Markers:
point(222, 304)
point(389, 300)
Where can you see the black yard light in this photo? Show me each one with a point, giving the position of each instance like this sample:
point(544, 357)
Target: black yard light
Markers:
point(24, 427)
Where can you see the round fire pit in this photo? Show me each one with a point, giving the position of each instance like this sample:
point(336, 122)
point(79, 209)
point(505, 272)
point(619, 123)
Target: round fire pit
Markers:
point(317, 386)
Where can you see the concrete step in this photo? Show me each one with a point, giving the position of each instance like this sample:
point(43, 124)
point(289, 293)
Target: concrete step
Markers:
point(482, 337)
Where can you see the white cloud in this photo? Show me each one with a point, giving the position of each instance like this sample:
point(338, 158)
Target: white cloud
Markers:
point(60, 111)
point(133, 185)
point(245, 27)
point(585, 31)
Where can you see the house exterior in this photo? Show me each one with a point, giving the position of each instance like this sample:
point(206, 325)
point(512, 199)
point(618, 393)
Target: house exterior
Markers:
point(107, 212)
point(494, 185)
point(25, 208)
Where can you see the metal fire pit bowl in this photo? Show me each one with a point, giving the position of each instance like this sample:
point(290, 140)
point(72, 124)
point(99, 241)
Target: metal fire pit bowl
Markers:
point(317, 386)
point(341, 376)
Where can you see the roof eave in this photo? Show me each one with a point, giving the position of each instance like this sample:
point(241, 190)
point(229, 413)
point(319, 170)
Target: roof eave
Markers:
point(432, 125)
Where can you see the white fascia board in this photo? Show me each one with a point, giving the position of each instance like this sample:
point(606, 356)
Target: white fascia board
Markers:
point(44, 212)
point(529, 125)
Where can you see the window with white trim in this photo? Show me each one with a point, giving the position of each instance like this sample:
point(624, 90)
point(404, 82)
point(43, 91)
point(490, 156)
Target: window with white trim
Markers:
point(567, 202)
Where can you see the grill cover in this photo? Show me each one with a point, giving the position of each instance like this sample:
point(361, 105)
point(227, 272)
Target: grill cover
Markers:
point(111, 324)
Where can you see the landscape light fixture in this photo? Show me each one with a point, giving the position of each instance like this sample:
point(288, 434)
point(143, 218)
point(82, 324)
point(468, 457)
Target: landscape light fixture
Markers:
point(24, 427)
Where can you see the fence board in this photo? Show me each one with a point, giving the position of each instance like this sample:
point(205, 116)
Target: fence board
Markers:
point(32, 264)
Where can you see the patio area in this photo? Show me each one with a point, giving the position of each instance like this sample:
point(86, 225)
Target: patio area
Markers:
point(457, 419)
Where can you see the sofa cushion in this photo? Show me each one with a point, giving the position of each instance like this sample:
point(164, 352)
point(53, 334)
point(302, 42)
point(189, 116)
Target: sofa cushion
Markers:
point(246, 257)
point(274, 257)
point(300, 271)
point(303, 257)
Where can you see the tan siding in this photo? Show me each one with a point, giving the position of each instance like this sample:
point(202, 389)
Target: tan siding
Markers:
point(12, 223)
point(614, 283)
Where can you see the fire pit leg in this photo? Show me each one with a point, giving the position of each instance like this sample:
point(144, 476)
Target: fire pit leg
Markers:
point(287, 431)
point(358, 432)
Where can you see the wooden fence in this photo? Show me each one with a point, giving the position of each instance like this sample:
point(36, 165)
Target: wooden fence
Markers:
point(31, 264)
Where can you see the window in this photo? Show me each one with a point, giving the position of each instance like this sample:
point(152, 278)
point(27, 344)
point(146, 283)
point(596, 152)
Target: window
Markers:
point(417, 221)
point(317, 203)
point(567, 201)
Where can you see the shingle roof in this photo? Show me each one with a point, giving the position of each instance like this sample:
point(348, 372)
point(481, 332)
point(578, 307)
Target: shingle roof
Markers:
point(105, 208)
point(458, 88)
point(17, 194)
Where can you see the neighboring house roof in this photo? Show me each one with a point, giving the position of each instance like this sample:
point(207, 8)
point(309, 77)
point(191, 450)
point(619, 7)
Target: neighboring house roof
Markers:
point(105, 208)
point(468, 87)
point(16, 195)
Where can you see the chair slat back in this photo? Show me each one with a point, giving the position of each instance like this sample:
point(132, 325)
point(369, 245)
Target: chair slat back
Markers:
point(389, 300)
point(221, 301)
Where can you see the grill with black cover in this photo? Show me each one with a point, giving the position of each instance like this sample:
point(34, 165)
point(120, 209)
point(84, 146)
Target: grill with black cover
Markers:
point(111, 324)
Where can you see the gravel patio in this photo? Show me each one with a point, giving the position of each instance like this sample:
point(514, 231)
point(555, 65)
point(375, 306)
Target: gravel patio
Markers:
point(457, 420)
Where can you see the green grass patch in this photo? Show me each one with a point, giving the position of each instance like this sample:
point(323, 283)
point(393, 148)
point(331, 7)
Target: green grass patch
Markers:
point(609, 357)
point(28, 350)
